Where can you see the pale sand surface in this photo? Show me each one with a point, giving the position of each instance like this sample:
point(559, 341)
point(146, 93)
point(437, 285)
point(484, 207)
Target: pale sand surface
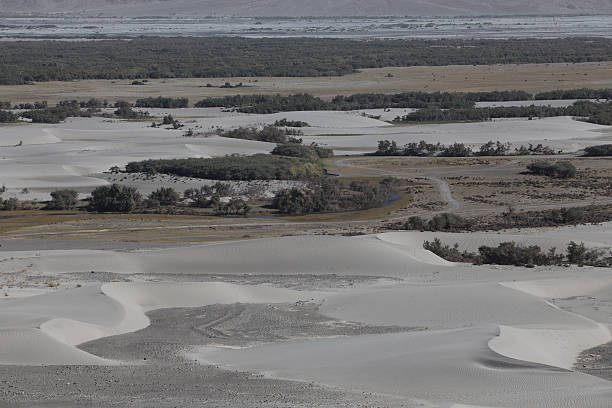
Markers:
point(481, 328)
point(74, 153)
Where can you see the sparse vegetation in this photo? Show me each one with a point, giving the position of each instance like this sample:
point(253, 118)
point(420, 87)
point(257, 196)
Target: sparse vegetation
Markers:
point(510, 253)
point(556, 170)
point(333, 195)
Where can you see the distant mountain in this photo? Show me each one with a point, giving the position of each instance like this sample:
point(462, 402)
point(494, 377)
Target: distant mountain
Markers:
point(299, 8)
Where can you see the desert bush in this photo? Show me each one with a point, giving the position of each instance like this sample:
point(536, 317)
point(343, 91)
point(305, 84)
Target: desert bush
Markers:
point(115, 198)
point(164, 196)
point(556, 170)
point(600, 150)
point(63, 200)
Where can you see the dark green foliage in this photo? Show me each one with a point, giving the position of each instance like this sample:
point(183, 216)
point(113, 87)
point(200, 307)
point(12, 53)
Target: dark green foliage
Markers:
point(600, 113)
point(440, 222)
point(6, 117)
point(449, 253)
point(115, 198)
point(527, 219)
point(579, 254)
point(5, 105)
point(456, 150)
point(300, 102)
point(271, 134)
point(582, 93)
point(235, 206)
point(600, 150)
point(125, 111)
point(181, 57)
point(164, 196)
point(556, 170)
point(55, 114)
point(494, 149)
point(333, 195)
point(509, 253)
point(63, 200)
point(291, 123)
point(299, 150)
point(256, 167)
point(161, 102)
point(208, 196)
point(34, 105)
point(10, 204)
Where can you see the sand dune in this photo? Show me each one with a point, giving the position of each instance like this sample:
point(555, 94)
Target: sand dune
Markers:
point(489, 336)
point(53, 324)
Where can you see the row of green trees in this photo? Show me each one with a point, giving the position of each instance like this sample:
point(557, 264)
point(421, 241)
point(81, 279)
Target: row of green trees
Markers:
point(255, 167)
point(161, 102)
point(264, 104)
point(510, 253)
point(600, 113)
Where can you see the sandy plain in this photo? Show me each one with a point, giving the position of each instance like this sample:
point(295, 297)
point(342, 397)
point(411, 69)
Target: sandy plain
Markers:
point(463, 78)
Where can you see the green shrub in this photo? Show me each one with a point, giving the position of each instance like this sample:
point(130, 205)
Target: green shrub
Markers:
point(255, 167)
point(63, 200)
point(115, 198)
point(556, 170)
point(600, 150)
point(164, 196)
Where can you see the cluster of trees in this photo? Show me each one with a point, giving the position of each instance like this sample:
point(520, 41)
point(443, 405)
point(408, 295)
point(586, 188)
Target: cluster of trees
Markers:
point(5, 105)
point(291, 123)
point(169, 120)
point(125, 111)
point(440, 222)
point(7, 117)
point(556, 170)
point(510, 253)
point(63, 200)
point(424, 149)
point(55, 114)
point(268, 133)
point(599, 150)
point(300, 102)
point(333, 195)
point(510, 219)
point(600, 113)
point(124, 199)
point(300, 150)
point(582, 93)
point(160, 102)
point(255, 167)
point(184, 57)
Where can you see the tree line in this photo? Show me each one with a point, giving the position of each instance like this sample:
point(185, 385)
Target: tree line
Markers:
point(185, 57)
point(255, 167)
point(511, 253)
point(594, 112)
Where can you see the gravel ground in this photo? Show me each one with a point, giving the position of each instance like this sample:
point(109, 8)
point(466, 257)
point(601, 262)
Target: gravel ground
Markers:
point(157, 375)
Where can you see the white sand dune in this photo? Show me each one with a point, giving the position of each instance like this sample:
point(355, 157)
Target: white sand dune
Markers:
point(489, 336)
point(435, 368)
point(54, 323)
